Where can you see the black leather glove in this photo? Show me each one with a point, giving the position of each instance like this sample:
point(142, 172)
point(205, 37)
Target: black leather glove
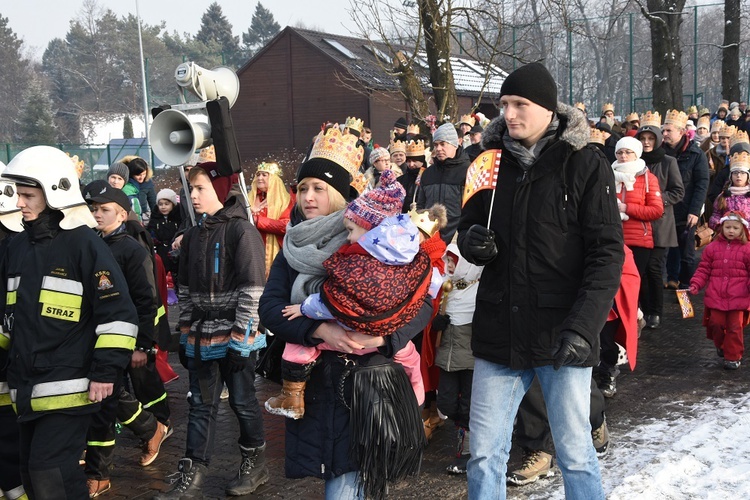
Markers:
point(480, 243)
point(235, 362)
point(183, 356)
point(571, 349)
point(441, 322)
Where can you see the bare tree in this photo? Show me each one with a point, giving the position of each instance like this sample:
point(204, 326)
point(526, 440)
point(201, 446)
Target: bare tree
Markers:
point(730, 55)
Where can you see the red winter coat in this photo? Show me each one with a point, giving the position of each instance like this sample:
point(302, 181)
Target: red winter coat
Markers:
point(644, 204)
point(626, 308)
point(725, 272)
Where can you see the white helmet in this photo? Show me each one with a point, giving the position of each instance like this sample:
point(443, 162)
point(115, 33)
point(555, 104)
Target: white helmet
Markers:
point(52, 170)
point(10, 214)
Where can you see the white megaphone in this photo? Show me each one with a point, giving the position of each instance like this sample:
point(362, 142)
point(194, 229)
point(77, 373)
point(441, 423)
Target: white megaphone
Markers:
point(176, 133)
point(208, 85)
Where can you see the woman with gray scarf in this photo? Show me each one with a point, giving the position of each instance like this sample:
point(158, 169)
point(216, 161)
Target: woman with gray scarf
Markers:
point(343, 389)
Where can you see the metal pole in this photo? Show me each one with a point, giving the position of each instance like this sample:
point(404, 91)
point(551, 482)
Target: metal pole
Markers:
point(630, 25)
point(695, 55)
point(570, 66)
point(143, 72)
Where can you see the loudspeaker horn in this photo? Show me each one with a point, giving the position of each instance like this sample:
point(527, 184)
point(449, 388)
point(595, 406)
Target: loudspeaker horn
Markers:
point(176, 134)
point(208, 85)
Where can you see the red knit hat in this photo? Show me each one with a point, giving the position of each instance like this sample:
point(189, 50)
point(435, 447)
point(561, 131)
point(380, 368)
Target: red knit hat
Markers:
point(371, 208)
point(222, 184)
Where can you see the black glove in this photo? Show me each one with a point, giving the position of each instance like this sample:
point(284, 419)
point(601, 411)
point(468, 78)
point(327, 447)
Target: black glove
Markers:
point(571, 349)
point(480, 243)
point(235, 362)
point(441, 322)
point(183, 355)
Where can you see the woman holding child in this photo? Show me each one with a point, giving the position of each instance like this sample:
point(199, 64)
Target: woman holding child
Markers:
point(319, 444)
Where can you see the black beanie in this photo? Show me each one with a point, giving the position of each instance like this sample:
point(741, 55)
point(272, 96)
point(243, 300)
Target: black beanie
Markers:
point(532, 82)
point(401, 123)
point(329, 172)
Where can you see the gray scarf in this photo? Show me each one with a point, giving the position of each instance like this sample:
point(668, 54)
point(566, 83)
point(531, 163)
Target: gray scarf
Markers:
point(307, 245)
point(527, 156)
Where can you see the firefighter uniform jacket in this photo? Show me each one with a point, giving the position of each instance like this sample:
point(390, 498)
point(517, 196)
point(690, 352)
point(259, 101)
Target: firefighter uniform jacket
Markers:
point(68, 316)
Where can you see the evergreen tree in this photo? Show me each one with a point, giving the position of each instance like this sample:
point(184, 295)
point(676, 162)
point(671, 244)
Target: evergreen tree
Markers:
point(14, 77)
point(217, 30)
point(37, 125)
point(263, 28)
point(127, 128)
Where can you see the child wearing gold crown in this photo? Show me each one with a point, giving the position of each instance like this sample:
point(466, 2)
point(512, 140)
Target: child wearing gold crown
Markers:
point(736, 195)
point(369, 278)
point(724, 271)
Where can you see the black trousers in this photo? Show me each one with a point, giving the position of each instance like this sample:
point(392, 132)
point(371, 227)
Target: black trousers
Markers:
point(10, 469)
point(454, 395)
point(652, 296)
point(50, 447)
point(532, 430)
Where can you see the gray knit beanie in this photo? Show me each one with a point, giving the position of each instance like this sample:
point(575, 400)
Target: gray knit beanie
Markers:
point(446, 133)
point(120, 169)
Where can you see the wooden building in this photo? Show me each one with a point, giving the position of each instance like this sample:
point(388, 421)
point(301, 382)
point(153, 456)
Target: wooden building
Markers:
point(303, 78)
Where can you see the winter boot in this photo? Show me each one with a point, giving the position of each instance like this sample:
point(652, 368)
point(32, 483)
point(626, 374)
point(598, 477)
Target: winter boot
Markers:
point(290, 402)
point(188, 484)
point(536, 464)
point(600, 438)
point(462, 452)
point(607, 384)
point(431, 420)
point(253, 472)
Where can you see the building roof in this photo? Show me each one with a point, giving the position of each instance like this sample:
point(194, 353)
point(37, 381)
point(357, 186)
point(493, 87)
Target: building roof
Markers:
point(366, 60)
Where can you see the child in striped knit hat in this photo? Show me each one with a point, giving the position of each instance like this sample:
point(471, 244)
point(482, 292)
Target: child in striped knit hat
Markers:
point(368, 280)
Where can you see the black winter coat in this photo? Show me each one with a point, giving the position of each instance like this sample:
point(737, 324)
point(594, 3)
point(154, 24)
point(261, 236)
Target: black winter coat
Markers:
point(318, 445)
point(137, 266)
point(163, 229)
point(694, 170)
point(443, 182)
point(560, 248)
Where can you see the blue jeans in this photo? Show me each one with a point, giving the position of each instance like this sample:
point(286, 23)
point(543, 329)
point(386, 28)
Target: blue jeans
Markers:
point(497, 391)
point(201, 429)
point(343, 487)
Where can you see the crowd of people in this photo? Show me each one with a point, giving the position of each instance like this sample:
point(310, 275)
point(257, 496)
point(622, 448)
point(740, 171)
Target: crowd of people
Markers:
point(395, 297)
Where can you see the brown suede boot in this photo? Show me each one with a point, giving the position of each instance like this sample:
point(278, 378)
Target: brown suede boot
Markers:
point(431, 420)
point(290, 402)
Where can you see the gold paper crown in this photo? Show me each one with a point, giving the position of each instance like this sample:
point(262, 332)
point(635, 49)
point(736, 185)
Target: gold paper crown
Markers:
point(727, 131)
point(717, 125)
point(740, 160)
point(597, 136)
point(397, 147)
point(608, 106)
point(339, 148)
point(271, 168)
point(692, 109)
point(580, 106)
point(412, 129)
point(423, 222)
point(353, 123)
point(676, 118)
point(704, 111)
point(77, 164)
point(359, 182)
point(651, 118)
point(632, 117)
point(467, 119)
point(415, 148)
point(739, 137)
point(207, 154)
point(703, 122)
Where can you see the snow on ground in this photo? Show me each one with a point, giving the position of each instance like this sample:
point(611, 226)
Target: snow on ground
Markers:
point(701, 451)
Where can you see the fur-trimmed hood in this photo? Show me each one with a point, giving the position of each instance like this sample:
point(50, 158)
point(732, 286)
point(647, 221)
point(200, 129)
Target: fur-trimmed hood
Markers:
point(574, 129)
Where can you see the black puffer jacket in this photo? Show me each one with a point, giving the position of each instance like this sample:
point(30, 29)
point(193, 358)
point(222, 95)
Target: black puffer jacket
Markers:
point(559, 237)
point(694, 170)
point(443, 182)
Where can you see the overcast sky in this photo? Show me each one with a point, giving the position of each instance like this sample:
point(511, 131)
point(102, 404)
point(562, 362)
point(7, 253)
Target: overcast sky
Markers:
point(39, 21)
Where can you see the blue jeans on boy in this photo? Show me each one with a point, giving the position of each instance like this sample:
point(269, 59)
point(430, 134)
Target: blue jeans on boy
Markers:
point(497, 393)
point(202, 415)
point(344, 487)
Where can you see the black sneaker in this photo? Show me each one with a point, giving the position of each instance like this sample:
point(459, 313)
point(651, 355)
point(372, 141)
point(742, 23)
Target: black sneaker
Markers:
point(459, 465)
point(607, 385)
point(653, 322)
point(720, 352)
point(731, 365)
